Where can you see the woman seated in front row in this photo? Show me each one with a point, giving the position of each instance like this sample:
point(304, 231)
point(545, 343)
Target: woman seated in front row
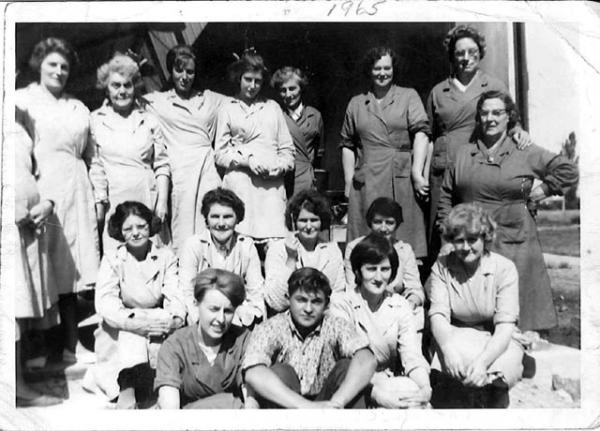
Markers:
point(386, 318)
point(138, 298)
point(474, 296)
point(199, 365)
point(220, 246)
point(307, 216)
point(384, 216)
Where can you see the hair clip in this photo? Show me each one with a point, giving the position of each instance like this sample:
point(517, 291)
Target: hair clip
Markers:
point(237, 57)
point(250, 50)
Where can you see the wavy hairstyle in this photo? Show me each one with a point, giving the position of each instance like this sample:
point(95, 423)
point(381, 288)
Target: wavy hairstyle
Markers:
point(286, 73)
point(310, 200)
point(49, 45)
point(469, 219)
point(223, 197)
point(309, 280)
point(374, 54)
point(461, 32)
point(509, 105)
point(124, 210)
point(123, 65)
point(249, 61)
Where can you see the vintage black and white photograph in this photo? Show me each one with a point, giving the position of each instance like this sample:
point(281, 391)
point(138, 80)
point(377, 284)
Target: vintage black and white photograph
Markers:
point(328, 205)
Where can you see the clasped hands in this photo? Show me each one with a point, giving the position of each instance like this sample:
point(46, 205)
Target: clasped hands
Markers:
point(473, 374)
point(37, 215)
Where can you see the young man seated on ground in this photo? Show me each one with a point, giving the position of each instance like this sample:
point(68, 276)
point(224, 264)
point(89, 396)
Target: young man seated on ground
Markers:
point(304, 359)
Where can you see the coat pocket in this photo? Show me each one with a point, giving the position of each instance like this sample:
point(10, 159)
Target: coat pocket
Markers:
point(402, 164)
point(511, 221)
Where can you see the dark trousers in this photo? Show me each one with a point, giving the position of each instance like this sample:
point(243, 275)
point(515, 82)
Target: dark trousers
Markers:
point(288, 376)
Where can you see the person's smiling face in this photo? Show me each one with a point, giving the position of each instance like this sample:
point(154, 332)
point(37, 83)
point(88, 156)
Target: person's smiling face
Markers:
point(136, 232)
point(494, 118)
point(308, 225)
point(382, 72)
point(221, 221)
point(215, 316)
point(375, 277)
point(386, 226)
point(466, 55)
point(183, 74)
point(291, 93)
point(54, 72)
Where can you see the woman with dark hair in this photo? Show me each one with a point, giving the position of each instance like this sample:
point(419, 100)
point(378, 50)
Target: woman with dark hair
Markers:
point(384, 216)
point(489, 170)
point(451, 107)
point(131, 160)
point(58, 125)
point(188, 118)
point(474, 296)
point(386, 319)
point(305, 125)
point(307, 215)
point(139, 301)
point(254, 147)
point(220, 246)
point(199, 366)
point(384, 136)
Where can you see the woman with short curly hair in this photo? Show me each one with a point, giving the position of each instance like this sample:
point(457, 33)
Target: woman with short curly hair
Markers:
point(305, 125)
point(474, 295)
point(451, 107)
point(139, 301)
point(491, 171)
point(221, 246)
point(131, 157)
point(307, 215)
point(58, 125)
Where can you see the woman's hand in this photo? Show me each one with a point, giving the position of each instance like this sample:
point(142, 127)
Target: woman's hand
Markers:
point(38, 213)
point(421, 186)
point(476, 374)
point(453, 363)
point(256, 167)
point(245, 314)
point(161, 210)
point(386, 399)
point(416, 398)
point(292, 245)
point(522, 139)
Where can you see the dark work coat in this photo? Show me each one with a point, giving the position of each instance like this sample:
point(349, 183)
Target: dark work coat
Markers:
point(382, 134)
point(452, 118)
point(501, 184)
point(308, 136)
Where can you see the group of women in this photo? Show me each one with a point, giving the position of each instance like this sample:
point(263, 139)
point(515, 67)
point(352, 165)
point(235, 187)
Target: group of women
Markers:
point(221, 169)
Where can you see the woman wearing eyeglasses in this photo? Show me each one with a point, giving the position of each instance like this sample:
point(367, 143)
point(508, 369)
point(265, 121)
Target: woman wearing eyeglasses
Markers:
point(451, 110)
point(491, 171)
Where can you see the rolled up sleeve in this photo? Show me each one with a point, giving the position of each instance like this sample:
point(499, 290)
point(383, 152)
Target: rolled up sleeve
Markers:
point(349, 341)
point(506, 309)
point(169, 365)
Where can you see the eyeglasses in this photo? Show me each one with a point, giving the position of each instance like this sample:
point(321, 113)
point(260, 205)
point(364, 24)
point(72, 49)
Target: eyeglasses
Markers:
point(494, 113)
point(472, 52)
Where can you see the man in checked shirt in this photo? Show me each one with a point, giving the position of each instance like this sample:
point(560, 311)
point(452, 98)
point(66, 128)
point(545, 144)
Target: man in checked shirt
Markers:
point(303, 358)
